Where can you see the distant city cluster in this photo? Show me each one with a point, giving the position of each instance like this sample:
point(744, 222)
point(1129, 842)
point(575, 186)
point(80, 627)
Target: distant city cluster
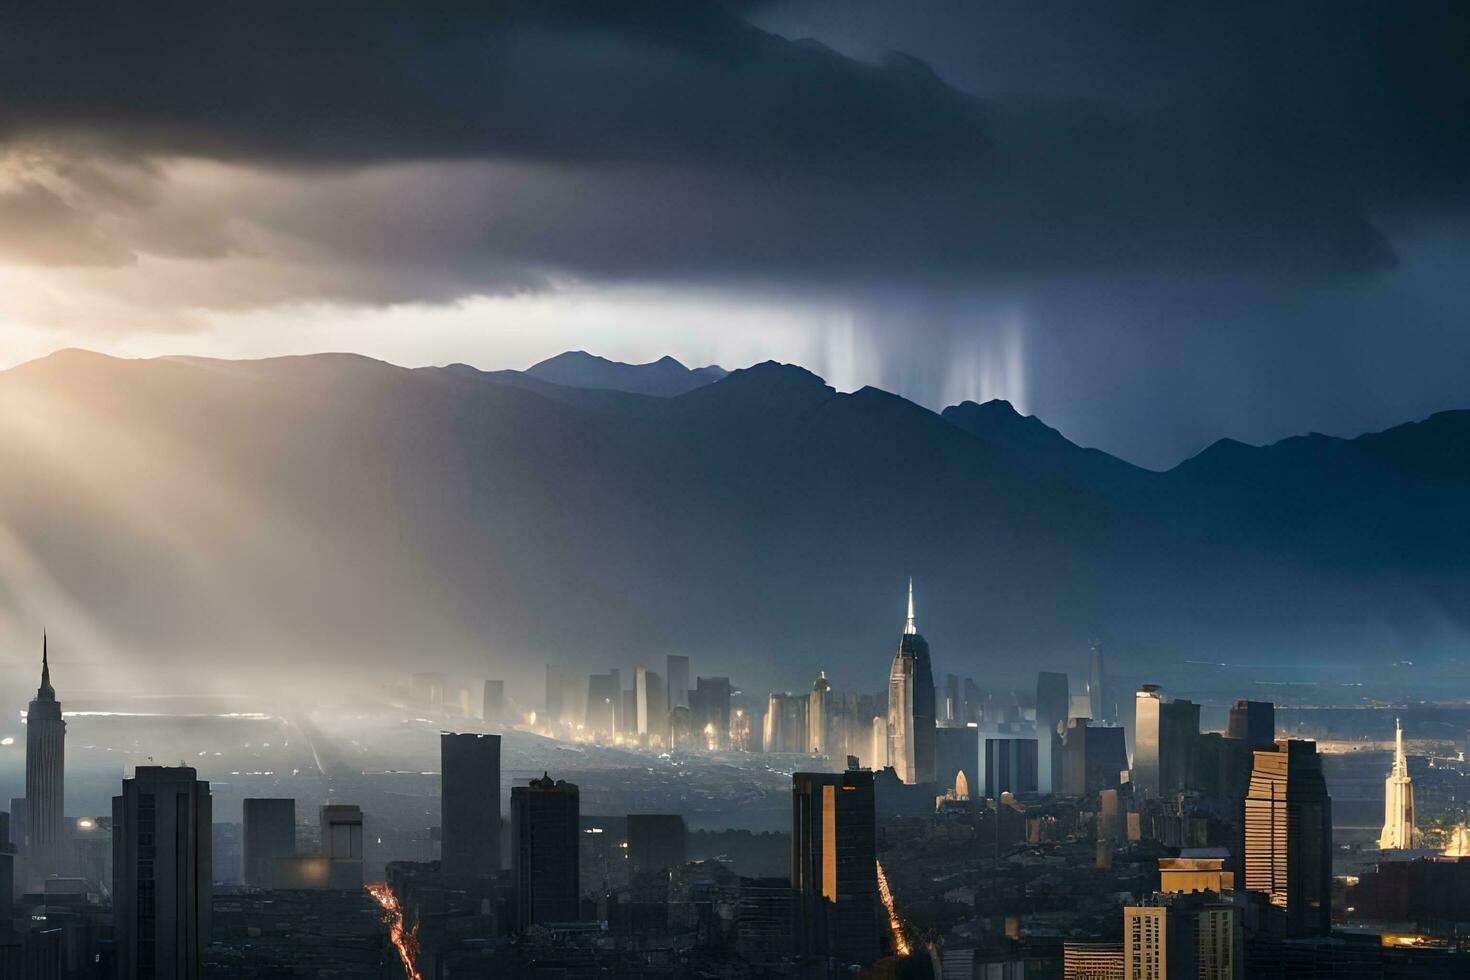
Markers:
point(927, 824)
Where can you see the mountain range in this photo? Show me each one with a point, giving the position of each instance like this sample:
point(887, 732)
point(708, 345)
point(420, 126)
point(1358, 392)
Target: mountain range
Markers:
point(333, 509)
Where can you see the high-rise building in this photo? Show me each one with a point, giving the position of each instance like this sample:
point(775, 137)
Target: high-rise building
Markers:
point(469, 799)
point(951, 707)
point(819, 717)
point(1010, 765)
point(656, 842)
point(1399, 829)
point(7, 871)
point(544, 851)
point(677, 668)
point(834, 870)
point(1253, 722)
point(878, 757)
point(658, 709)
point(956, 757)
point(1288, 835)
point(269, 841)
point(1101, 708)
point(492, 707)
point(911, 705)
point(785, 724)
point(341, 830)
point(1093, 758)
point(45, 851)
point(603, 692)
point(710, 711)
point(1092, 961)
point(640, 697)
point(162, 874)
point(1164, 734)
point(1052, 702)
point(1181, 935)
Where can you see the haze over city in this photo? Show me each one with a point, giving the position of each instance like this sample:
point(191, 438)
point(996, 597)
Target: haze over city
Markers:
point(763, 488)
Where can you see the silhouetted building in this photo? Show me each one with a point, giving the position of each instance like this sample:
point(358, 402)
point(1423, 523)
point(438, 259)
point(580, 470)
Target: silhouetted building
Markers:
point(763, 920)
point(1254, 722)
point(7, 873)
point(544, 851)
point(1094, 758)
point(656, 842)
point(341, 830)
point(677, 668)
point(162, 874)
point(1010, 765)
point(709, 708)
point(957, 751)
point(819, 717)
point(492, 706)
point(1164, 733)
point(469, 798)
point(1101, 707)
point(1052, 702)
point(911, 705)
point(1288, 835)
point(834, 865)
point(785, 724)
point(269, 841)
point(45, 844)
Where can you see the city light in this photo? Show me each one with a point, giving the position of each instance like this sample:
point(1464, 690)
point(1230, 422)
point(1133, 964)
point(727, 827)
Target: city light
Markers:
point(404, 940)
point(900, 943)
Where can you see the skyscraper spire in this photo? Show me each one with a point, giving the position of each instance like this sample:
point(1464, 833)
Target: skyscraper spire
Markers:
point(1400, 764)
point(909, 628)
point(45, 690)
point(1399, 830)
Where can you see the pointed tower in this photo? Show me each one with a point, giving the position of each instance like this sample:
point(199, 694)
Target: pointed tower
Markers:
point(1399, 831)
point(911, 738)
point(45, 772)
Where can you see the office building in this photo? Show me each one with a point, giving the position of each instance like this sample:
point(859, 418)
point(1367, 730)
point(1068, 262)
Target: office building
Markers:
point(162, 874)
point(1101, 708)
point(656, 842)
point(1165, 730)
point(957, 757)
point(709, 708)
point(677, 669)
point(1288, 835)
point(544, 851)
point(269, 843)
point(819, 717)
point(46, 840)
point(492, 706)
point(1052, 704)
point(1010, 765)
point(785, 728)
point(1196, 870)
point(877, 757)
point(7, 872)
point(911, 705)
point(1253, 722)
point(1092, 961)
point(469, 799)
point(341, 830)
point(1181, 935)
point(1399, 828)
point(1094, 758)
point(763, 917)
point(834, 865)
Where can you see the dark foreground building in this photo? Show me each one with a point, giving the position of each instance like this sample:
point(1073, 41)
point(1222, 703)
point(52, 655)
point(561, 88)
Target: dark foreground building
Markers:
point(544, 863)
point(834, 871)
point(469, 796)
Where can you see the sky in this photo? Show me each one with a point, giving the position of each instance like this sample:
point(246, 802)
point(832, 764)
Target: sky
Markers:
point(1153, 225)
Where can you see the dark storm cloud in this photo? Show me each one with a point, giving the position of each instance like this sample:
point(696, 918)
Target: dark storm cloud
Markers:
point(679, 141)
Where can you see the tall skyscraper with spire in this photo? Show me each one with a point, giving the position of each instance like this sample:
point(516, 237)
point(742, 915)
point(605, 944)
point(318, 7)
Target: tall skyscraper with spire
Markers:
point(911, 739)
point(45, 773)
point(1398, 800)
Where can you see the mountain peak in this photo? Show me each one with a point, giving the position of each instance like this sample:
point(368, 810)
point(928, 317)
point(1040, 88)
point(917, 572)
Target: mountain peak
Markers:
point(664, 377)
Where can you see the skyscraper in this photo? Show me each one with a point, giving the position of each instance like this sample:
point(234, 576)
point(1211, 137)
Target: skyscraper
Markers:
point(911, 705)
point(1098, 702)
point(785, 724)
point(819, 716)
point(834, 870)
point(1181, 935)
point(1164, 734)
point(544, 851)
point(469, 798)
point(269, 841)
point(1288, 835)
point(1254, 722)
point(677, 668)
point(710, 707)
point(1052, 701)
point(492, 708)
point(45, 853)
point(1399, 830)
point(162, 874)
point(640, 698)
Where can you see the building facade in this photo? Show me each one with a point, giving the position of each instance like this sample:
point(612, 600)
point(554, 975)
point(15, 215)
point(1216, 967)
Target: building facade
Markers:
point(1288, 836)
point(544, 824)
point(1399, 828)
point(469, 798)
point(45, 826)
point(834, 865)
point(911, 706)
